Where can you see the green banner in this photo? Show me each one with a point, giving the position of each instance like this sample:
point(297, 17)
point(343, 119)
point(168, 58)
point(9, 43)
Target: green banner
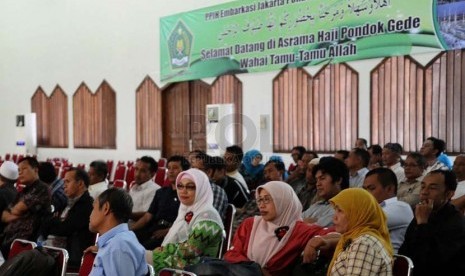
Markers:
point(252, 36)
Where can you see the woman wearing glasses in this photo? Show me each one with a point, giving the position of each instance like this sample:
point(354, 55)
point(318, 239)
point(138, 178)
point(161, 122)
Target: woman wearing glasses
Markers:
point(197, 230)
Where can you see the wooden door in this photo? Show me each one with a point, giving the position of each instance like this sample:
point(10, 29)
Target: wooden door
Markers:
point(200, 96)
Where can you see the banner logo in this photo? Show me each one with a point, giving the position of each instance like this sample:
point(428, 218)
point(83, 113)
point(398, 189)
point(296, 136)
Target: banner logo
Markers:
point(180, 45)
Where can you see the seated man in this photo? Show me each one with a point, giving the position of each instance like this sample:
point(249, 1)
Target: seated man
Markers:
point(357, 162)
point(29, 208)
point(98, 172)
point(143, 191)
point(331, 176)
point(435, 239)
point(48, 175)
point(119, 252)
point(71, 229)
point(153, 226)
point(382, 184)
point(8, 176)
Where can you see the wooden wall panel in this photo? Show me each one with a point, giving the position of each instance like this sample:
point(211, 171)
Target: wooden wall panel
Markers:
point(94, 117)
point(200, 96)
point(52, 118)
point(445, 99)
point(228, 89)
point(148, 115)
point(397, 103)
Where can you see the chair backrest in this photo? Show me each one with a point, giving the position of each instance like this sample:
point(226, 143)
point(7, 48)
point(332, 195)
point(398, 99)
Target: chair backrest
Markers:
point(130, 174)
point(228, 227)
point(162, 162)
point(119, 184)
point(160, 176)
point(109, 168)
point(120, 172)
point(402, 265)
point(87, 262)
point(172, 271)
point(61, 259)
point(19, 245)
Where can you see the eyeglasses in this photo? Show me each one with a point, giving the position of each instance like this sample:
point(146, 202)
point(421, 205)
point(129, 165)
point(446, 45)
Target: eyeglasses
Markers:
point(264, 200)
point(189, 188)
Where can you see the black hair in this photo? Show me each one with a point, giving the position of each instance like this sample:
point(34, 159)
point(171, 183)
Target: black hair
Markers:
point(364, 141)
point(47, 172)
point(215, 163)
point(301, 151)
point(386, 177)
point(79, 175)
point(312, 153)
point(450, 179)
point(153, 165)
point(100, 167)
point(182, 160)
point(362, 154)
point(236, 151)
point(438, 144)
point(376, 149)
point(336, 168)
point(394, 147)
point(32, 161)
point(420, 159)
point(120, 203)
point(344, 153)
point(278, 164)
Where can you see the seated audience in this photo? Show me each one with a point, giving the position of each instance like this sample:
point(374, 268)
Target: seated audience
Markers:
point(71, 229)
point(409, 189)
point(98, 173)
point(198, 228)
point(431, 149)
point(435, 239)
point(48, 175)
point(216, 170)
point(119, 253)
point(233, 157)
point(382, 184)
point(308, 194)
point(143, 190)
point(153, 226)
point(341, 155)
point(331, 176)
point(274, 170)
point(392, 159)
point(376, 159)
point(29, 208)
point(274, 240)
point(459, 170)
point(361, 143)
point(252, 169)
point(364, 248)
point(357, 163)
point(8, 177)
point(296, 154)
point(297, 179)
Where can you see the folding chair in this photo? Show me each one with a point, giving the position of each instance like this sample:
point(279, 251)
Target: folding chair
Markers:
point(61, 259)
point(119, 184)
point(120, 173)
point(160, 176)
point(402, 265)
point(162, 162)
point(87, 263)
point(228, 227)
point(19, 245)
point(172, 271)
point(130, 174)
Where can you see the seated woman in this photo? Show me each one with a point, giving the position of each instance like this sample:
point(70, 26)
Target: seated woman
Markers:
point(197, 230)
point(275, 239)
point(251, 168)
point(364, 248)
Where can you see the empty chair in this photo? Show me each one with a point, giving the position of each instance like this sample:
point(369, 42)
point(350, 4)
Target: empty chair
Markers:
point(19, 245)
point(130, 163)
point(130, 174)
point(119, 184)
point(61, 258)
point(228, 227)
point(15, 158)
point(402, 265)
point(87, 263)
point(120, 173)
point(109, 168)
point(7, 156)
point(160, 176)
point(81, 166)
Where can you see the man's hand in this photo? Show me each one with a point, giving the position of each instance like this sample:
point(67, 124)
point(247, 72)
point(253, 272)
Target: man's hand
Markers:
point(423, 211)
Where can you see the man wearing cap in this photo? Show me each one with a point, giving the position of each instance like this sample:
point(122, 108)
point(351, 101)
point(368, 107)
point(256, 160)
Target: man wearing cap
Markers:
point(8, 176)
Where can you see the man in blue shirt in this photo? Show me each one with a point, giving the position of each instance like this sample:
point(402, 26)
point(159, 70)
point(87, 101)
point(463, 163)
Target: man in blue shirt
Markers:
point(119, 252)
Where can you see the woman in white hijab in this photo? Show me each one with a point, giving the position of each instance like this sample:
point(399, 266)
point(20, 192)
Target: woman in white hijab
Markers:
point(197, 230)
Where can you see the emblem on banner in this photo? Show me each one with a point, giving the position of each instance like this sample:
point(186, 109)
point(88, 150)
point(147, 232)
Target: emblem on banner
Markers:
point(180, 45)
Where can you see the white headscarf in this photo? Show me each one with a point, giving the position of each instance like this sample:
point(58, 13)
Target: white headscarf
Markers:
point(202, 208)
point(263, 243)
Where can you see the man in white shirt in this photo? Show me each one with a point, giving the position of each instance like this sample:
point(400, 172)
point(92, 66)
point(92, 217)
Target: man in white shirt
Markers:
point(459, 170)
point(391, 159)
point(98, 172)
point(143, 191)
point(357, 162)
point(233, 158)
point(382, 184)
point(431, 149)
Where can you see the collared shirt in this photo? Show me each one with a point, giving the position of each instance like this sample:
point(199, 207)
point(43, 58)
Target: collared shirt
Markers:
point(365, 256)
point(409, 192)
point(398, 171)
point(399, 215)
point(59, 199)
point(142, 195)
point(220, 199)
point(96, 189)
point(356, 180)
point(238, 176)
point(119, 254)
point(437, 165)
point(460, 191)
point(322, 211)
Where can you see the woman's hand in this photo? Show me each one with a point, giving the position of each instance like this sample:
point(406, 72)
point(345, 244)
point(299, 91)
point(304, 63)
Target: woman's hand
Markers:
point(312, 249)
